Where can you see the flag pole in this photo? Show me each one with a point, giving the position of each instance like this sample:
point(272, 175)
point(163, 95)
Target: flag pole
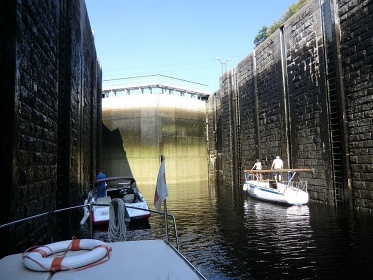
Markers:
point(166, 220)
point(161, 193)
point(165, 209)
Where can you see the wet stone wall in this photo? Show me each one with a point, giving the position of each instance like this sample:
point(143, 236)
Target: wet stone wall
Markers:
point(356, 20)
point(304, 94)
point(307, 101)
point(51, 79)
point(248, 110)
point(270, 102)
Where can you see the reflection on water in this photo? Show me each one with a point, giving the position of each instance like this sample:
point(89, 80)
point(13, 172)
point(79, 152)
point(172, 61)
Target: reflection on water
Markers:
point(228, 235)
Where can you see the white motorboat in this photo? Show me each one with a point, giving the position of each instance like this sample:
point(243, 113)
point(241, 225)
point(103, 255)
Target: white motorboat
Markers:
point(135, 260)
point(288, 192)
point(124, 188)
point(96, 260)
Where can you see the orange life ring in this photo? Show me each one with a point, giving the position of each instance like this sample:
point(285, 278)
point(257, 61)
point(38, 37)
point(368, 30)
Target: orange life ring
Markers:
point(37, 259)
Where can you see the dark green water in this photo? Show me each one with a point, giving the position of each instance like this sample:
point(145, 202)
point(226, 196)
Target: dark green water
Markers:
point(222, 231)
point(228, 235)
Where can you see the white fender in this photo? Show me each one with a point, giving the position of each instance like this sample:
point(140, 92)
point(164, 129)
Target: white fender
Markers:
point(86, 213)
point(38, 259)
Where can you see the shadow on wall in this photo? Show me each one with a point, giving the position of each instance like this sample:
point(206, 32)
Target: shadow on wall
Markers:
point(114, 158)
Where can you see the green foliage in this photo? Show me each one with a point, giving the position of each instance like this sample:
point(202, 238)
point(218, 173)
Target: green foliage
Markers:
point(293, 9)
point(265, 32)
point(276, 25)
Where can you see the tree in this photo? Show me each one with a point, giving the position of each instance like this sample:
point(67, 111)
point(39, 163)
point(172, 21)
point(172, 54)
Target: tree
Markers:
point(263, 34)
point(276, 25)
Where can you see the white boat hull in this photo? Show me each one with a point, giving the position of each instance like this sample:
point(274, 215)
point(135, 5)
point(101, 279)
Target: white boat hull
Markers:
point(285, 193)
point(126, 190)
point(101, 214)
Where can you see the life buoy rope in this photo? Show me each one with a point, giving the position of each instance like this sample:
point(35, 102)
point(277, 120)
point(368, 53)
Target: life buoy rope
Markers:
point(36, 258)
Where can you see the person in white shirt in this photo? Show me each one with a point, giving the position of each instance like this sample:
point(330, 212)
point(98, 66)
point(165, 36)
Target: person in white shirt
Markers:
point(277, 164)
point(257, 166)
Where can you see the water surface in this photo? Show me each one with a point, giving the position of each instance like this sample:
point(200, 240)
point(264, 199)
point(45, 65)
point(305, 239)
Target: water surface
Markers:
point(228, 235)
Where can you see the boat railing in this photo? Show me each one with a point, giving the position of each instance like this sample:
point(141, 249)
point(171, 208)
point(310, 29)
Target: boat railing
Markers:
point(295, 185)
point(301, 185)
point(89, 206)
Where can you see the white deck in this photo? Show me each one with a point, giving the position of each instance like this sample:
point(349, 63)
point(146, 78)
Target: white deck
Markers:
point(148, 259)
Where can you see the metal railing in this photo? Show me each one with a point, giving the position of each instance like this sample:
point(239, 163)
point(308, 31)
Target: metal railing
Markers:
point(154, 81)
point(54, 212)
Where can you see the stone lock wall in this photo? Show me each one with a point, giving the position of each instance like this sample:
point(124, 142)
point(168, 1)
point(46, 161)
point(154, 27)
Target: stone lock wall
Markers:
point(309, 141)
point(51, 81)
point(303, 94)
point(356, 27)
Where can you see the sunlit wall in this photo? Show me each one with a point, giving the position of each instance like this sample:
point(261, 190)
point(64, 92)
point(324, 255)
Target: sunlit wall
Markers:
point(139, 128)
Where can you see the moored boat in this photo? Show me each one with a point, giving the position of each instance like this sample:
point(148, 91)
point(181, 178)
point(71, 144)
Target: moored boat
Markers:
point(123, 188)
point(96, 260)
point(288, 192)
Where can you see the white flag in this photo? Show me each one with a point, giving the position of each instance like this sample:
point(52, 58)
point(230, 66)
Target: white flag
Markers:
point(161, 191)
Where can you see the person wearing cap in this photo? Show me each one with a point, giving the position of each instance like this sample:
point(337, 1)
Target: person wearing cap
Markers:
point(101, 186)
point(276, 165)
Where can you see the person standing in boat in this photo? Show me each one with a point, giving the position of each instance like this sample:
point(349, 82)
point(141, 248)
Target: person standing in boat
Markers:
point(101, 187)
point(277, 164)
point(257, 166)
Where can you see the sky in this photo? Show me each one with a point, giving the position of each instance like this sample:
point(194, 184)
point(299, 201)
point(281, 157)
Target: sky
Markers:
point(178, 38)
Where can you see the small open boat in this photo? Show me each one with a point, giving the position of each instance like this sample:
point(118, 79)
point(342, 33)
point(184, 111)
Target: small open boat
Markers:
point(123, 188)
point(288, 192)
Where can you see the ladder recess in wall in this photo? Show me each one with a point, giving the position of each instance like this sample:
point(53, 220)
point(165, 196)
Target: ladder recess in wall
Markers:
point(331, 67)
point(335, 135)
